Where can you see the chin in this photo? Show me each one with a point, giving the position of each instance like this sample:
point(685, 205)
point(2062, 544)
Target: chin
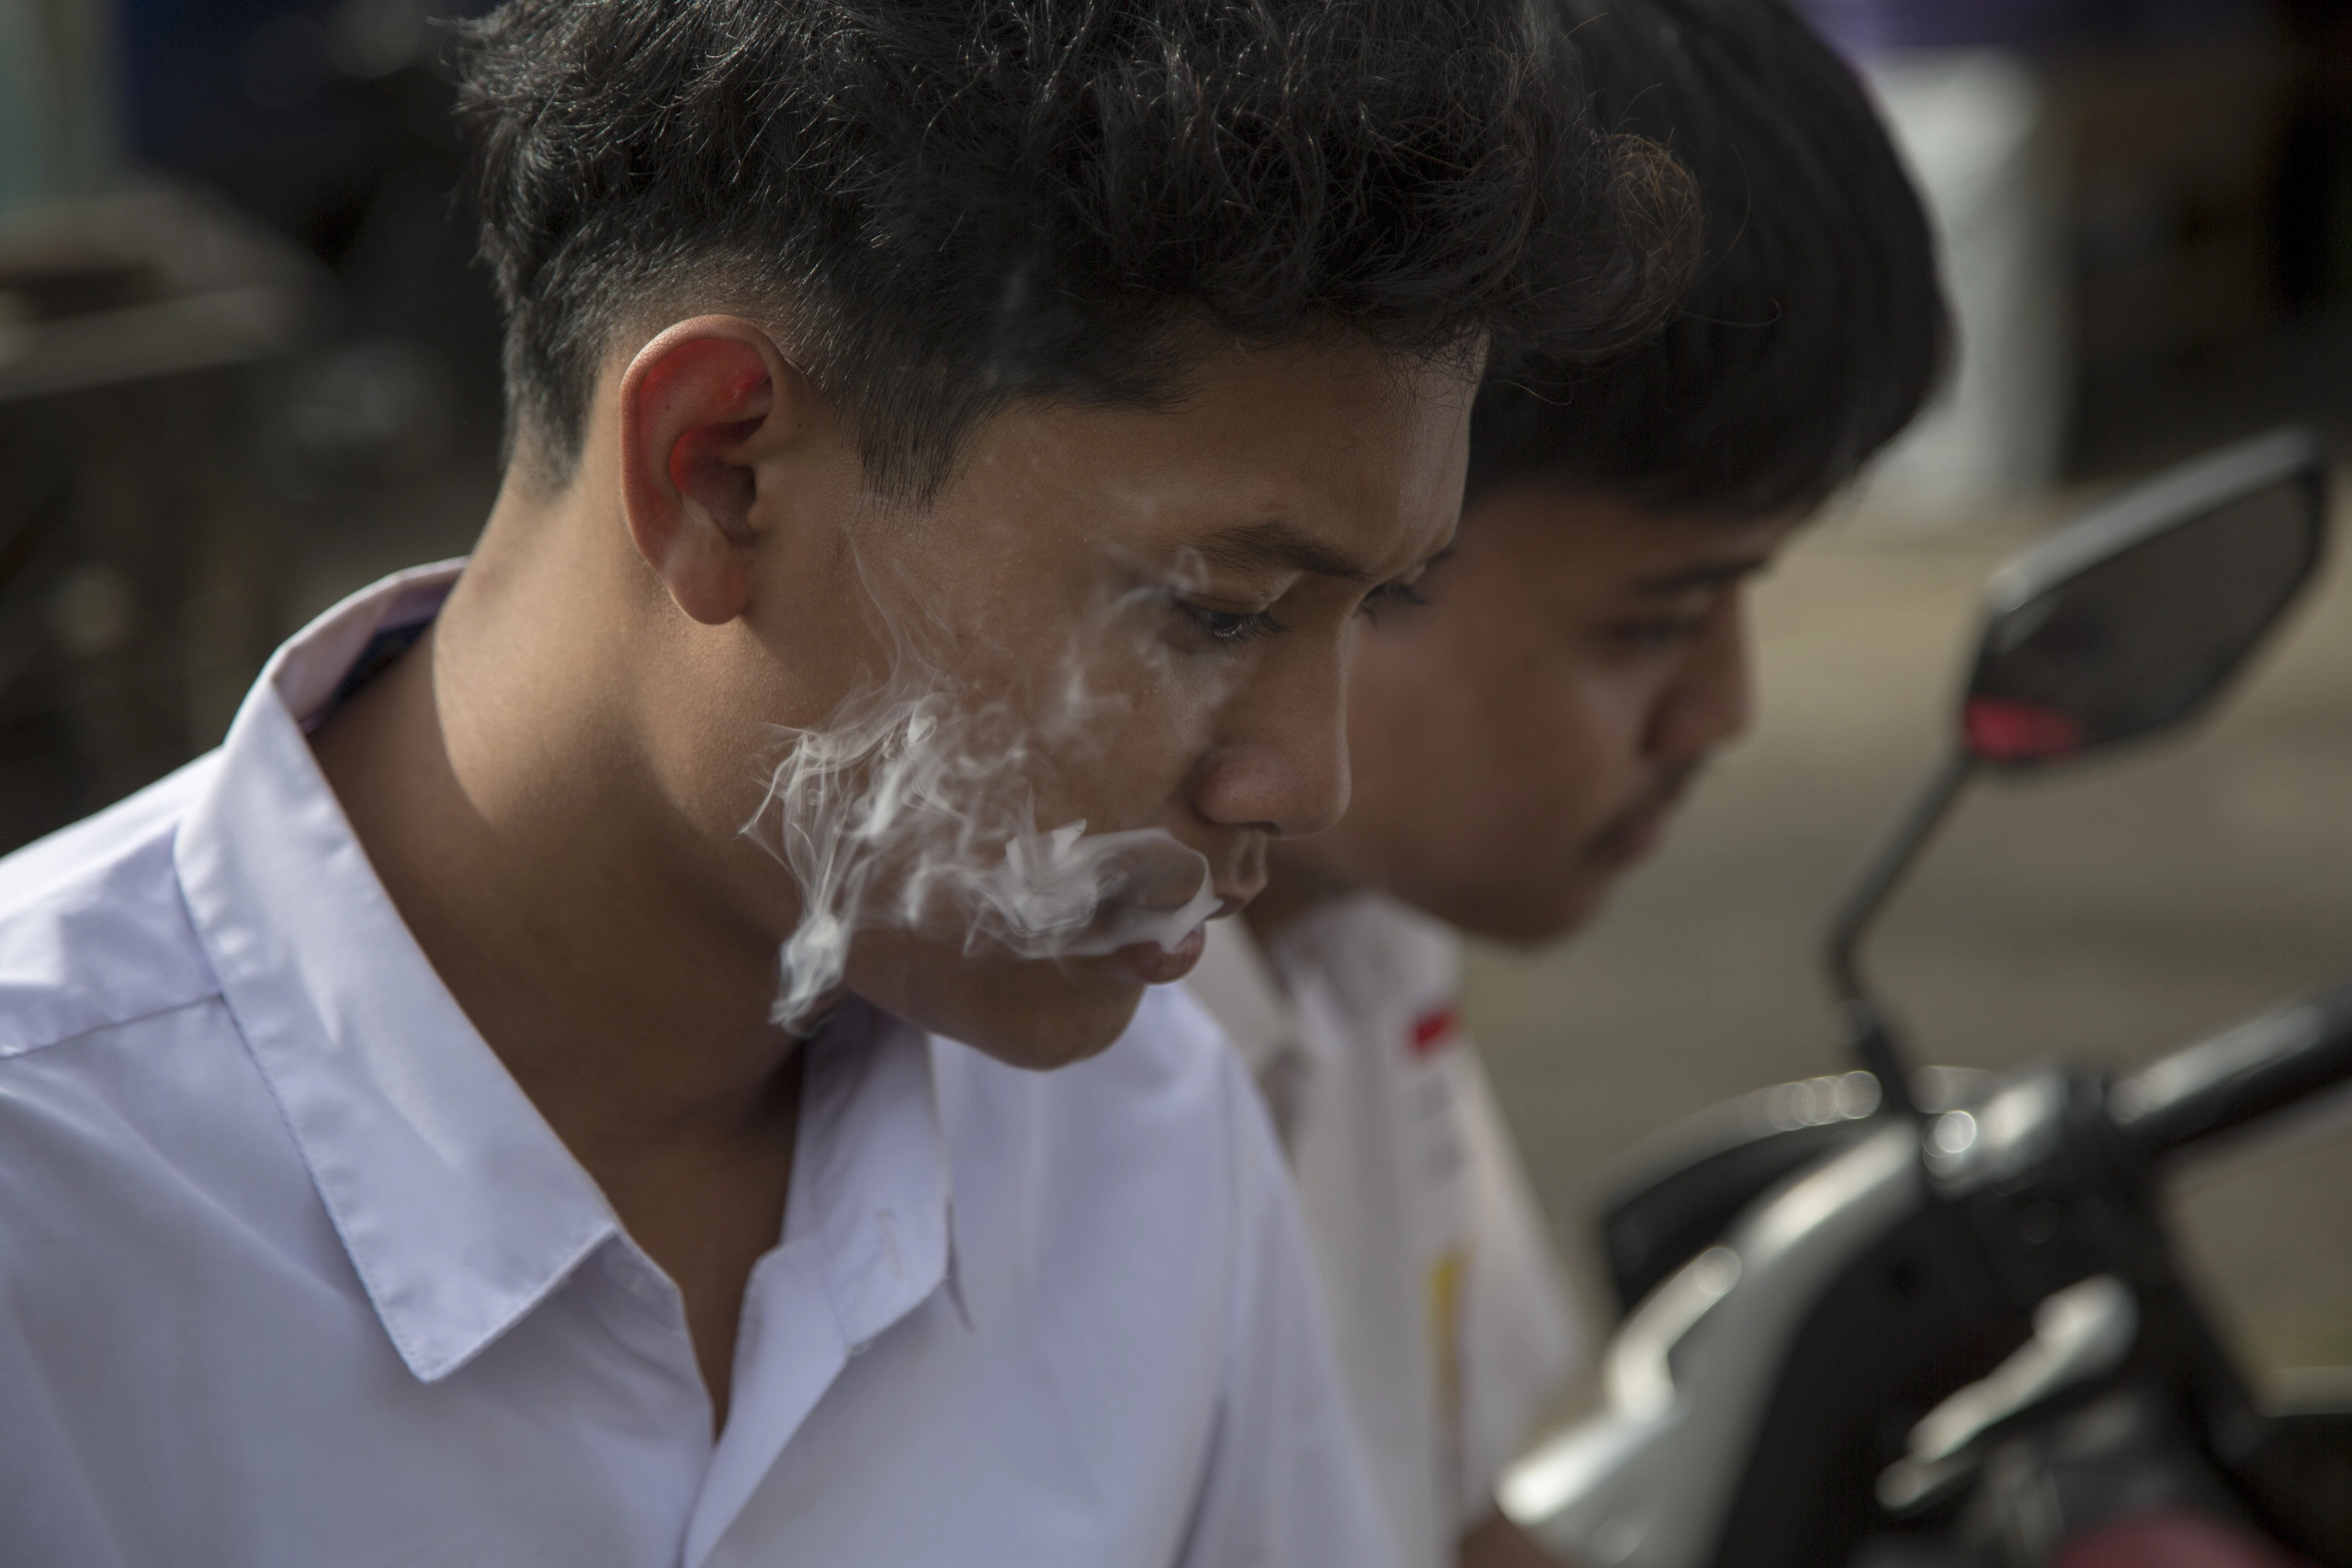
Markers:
point(1036, 1015)
point(1042, 1039)
point(1522, 914)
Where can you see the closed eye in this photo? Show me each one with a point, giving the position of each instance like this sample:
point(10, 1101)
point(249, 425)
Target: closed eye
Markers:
point(1390, 597)
point(1395, 595)
point(1659, 633)
point(1231, 628)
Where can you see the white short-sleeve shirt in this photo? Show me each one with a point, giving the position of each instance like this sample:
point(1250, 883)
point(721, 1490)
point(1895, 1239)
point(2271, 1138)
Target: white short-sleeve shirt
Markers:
point(291, 1272)
point(1452, 1323)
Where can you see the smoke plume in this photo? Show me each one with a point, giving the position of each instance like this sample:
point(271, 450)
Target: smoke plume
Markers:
point(913, 808)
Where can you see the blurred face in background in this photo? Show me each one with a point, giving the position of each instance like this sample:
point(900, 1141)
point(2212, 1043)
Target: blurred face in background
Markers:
point(1520, 739)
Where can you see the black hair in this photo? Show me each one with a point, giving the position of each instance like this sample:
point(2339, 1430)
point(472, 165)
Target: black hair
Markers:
point(1814, 328)
point(951, 205)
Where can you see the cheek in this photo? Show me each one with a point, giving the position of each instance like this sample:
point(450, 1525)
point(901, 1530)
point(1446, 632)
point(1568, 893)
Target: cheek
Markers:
point(1096, 710)
point(1546, 758)
point(1118, 739)
point(1493, 756)
point(717, 730)
point(1406, 737)
point(1439, 745)
point(1580, 759)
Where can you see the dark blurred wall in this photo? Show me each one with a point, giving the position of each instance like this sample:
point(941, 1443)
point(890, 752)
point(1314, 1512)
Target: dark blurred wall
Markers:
point(330, 122)
point(2315, 185)
point(254, 258)
point(2199, 156)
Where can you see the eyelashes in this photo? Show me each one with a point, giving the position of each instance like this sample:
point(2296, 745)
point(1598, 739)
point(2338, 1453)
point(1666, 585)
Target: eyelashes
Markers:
point(1659, 636)
point(1231, 629)
point(1239, 628)
point(1390, 597)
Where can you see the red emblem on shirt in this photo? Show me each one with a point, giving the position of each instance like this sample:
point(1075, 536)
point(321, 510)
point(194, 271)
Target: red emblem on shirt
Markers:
point(1436, 1029)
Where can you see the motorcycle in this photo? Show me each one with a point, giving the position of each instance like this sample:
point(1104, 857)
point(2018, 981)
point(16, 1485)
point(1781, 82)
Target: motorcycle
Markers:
point(1933, 1319)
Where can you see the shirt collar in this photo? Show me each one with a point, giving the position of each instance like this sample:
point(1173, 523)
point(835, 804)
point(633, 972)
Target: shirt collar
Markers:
point(459, 1207)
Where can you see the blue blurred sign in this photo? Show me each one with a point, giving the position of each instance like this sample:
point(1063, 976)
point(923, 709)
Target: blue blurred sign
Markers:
point(1873, 27)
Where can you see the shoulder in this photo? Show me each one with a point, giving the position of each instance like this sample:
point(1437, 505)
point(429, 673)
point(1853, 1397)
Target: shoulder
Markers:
point(93, 930)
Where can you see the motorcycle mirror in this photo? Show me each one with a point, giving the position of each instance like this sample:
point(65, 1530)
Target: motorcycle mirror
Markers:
point(2126, 622)
point(2131, 619)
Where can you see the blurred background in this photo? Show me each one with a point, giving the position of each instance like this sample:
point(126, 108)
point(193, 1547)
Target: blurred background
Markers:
point(2146, 212)
point(246, 366)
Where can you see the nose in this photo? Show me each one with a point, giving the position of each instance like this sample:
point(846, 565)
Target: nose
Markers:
point(1279, 760)
point(1709, 703)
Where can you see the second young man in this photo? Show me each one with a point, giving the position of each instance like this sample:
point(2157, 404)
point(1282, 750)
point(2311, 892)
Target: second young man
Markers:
point(1521, 740)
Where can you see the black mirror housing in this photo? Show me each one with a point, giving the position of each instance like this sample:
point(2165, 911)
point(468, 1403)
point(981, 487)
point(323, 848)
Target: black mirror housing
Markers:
point(2130, 620)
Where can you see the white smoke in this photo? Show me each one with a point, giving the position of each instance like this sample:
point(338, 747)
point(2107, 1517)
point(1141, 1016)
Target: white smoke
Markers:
point(912, 808)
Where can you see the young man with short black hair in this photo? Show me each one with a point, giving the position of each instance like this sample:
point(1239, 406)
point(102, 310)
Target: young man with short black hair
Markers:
point(951, 443)
point(1519, 741)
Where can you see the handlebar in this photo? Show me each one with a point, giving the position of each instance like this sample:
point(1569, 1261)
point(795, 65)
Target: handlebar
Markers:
point(2241, 1075)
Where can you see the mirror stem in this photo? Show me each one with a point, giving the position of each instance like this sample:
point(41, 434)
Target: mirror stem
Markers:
point(1867, 1030)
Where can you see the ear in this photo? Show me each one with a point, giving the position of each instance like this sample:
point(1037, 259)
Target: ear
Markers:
point(702, 406)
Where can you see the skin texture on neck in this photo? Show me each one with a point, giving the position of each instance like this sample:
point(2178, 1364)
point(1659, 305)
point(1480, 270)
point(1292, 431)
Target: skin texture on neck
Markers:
point(554, 784)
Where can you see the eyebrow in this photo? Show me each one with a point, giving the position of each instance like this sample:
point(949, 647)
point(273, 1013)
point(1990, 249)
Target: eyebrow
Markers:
point(1690, 580)
point(1271, 546)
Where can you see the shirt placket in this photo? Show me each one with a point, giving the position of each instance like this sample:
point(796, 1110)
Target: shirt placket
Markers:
point(864, 1244)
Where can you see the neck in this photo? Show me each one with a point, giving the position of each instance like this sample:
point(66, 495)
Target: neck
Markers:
point(491, 775)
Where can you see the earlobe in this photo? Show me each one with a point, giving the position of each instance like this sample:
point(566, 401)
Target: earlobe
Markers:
point(701, 406)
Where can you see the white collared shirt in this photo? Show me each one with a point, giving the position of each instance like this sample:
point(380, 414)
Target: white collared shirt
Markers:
point(291, 1272)
point(1451, 1318)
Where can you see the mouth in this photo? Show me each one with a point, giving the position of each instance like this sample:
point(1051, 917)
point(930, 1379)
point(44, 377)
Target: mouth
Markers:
point(1634, 833)
point(1627, 842)
point(1158, 965)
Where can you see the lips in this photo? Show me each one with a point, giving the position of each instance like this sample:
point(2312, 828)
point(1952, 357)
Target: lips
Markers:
point(1158, 965)
point(1625, 841)
point(1636, 832)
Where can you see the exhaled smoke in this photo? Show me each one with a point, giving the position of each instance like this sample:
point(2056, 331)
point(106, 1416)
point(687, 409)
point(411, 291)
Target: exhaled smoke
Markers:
point(912, 808)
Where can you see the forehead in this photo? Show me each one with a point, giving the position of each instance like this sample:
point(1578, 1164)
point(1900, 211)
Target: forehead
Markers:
point(1338, 382)
point(1323, 433)
point(1323, 457)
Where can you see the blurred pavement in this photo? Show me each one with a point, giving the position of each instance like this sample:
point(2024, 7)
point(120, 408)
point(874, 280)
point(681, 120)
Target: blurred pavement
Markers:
point(2110, 913)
